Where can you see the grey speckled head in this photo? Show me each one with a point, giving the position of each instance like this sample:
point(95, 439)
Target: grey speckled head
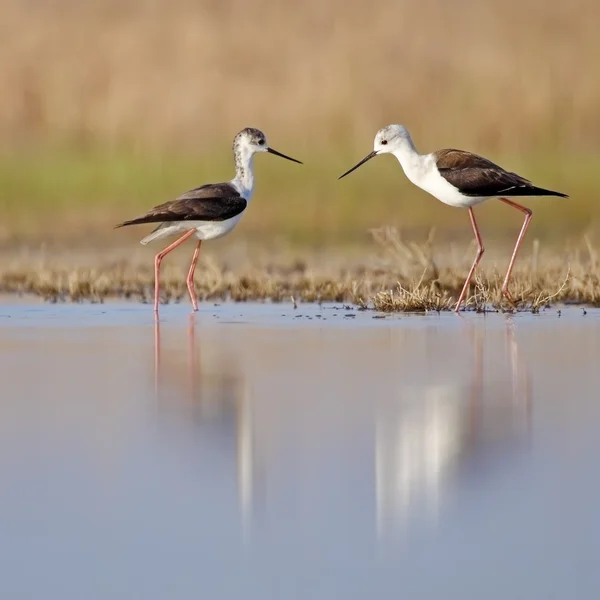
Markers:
point(250, 137)
point(246, 143)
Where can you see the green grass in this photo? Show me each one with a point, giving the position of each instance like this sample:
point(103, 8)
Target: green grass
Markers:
point(84, 193)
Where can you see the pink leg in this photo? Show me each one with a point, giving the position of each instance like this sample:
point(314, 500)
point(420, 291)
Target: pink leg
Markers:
point(158, 259)
point(528, 214)
point(190, 277)
point(480, 251)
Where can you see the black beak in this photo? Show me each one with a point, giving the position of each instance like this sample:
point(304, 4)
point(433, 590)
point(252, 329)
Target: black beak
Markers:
point(271, 151)
point(362, 162)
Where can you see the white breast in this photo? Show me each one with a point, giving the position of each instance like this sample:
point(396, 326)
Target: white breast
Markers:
point(427, 177)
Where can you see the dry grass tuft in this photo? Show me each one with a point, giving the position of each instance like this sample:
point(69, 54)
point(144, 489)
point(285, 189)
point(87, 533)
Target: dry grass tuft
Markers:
point(485, 296)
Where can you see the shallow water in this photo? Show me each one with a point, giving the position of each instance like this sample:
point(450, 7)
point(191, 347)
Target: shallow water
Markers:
point(259, 451)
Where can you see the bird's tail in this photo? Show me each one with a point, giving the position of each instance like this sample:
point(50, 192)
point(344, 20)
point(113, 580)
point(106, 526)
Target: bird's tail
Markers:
point(537, 191)
point(154, 234)
point(137, 221)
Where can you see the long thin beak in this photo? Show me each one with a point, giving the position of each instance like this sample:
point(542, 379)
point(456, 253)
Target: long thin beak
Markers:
point(362, 162)
point(271, 151)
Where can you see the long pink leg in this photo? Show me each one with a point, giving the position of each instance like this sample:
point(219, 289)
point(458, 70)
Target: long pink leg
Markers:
point(190, 277)
point(480, 251)
point(528, 214)
point(158, 259)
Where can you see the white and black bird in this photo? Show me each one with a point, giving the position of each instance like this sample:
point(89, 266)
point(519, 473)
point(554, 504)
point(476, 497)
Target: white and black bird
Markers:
point(458, 178)
point(209, 211)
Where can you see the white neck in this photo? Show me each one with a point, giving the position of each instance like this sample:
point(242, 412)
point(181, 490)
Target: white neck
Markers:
point(244, 173)
point(411, 161)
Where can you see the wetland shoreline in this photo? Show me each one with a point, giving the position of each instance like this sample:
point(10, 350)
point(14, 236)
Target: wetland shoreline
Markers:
point(393, 276)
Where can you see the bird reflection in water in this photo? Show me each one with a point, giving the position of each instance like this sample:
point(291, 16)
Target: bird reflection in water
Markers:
point(460, 420)
point(209, 384)
point(435, 435)
point(209, 397)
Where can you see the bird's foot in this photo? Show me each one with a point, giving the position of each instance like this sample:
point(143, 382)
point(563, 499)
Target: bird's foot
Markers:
point(509, 298)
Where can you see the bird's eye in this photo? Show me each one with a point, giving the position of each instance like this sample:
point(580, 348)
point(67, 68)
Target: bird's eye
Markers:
point(383, 142)
point(261, 142)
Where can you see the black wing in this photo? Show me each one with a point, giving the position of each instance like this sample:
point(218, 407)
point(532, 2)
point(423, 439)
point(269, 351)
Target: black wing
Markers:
point(475, 176)
point(211, 202)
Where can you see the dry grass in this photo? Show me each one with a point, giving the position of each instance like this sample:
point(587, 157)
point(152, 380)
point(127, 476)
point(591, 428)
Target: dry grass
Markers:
point(395, 276)
point(511, 76)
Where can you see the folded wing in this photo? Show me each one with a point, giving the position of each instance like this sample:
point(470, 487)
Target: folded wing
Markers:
point(475, 176)
point(211, 202)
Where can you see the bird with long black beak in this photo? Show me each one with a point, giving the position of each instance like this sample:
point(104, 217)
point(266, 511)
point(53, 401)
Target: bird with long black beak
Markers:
point(458, 178)
point(207, 212)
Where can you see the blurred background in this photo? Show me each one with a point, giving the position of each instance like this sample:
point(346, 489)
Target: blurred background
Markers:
point(111, 106)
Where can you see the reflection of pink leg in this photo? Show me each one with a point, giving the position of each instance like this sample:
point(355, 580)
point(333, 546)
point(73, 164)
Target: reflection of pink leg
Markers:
point(521, 383)
point(511, 342)
point(192, 354)
point(528, 214)
point(156, 354)
point(158, 260)
point(190, 277)
point(480, 251)
point(476, 388)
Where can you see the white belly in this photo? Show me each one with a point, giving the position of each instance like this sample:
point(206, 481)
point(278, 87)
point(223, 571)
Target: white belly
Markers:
point(438, 187)
point(211, 230)
point(205, 230)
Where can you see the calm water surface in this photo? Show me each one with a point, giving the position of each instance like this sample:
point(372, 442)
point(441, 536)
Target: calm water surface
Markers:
point(264, 453)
